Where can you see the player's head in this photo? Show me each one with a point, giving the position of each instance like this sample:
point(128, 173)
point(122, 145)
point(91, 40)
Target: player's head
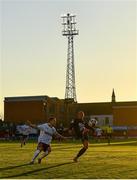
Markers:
point(80, 115)
point(52, 121)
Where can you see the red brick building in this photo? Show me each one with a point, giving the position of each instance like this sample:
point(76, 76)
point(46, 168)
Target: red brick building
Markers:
point(125, 115)
point(122, 116)
point(34, 108)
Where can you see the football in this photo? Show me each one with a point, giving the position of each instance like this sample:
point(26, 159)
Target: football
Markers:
point(92, 122)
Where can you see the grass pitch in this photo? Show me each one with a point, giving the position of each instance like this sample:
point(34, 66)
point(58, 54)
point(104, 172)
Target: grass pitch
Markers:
point(101, 161)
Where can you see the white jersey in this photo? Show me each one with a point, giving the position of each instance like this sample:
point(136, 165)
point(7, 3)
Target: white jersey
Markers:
point(99, 132)
point(43, 137)
point(24, 129)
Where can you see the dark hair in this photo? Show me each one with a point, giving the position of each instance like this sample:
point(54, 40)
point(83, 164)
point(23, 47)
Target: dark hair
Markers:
point(51, 118)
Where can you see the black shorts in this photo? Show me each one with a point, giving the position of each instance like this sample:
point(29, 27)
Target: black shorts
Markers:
point(24, 137)
point(43, 146)
point(84, 137)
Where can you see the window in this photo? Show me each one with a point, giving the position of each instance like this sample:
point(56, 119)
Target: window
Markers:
point(107, 121)
point(52, 109)
point(62, 109)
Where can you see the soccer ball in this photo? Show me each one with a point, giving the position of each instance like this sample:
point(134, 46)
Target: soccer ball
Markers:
point(92, 122)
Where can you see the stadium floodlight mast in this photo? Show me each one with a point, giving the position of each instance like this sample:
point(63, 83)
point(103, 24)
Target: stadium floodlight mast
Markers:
point(69, 30)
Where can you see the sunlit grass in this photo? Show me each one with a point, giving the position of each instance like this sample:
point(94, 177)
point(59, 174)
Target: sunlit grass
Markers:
point(118, 160)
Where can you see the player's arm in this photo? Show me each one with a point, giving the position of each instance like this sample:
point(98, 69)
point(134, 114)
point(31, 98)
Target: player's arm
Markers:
point(38, 127)
point(32, 125)
point(60, 136)
point(71, 128)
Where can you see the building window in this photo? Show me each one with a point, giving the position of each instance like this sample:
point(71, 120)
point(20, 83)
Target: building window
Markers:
point(52, 109)
point(62, 109)
point(107, 121)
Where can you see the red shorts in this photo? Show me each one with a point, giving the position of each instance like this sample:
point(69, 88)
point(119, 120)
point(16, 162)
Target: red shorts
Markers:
point(43, 146)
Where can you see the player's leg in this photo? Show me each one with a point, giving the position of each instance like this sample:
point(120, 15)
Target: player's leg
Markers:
point(24, 140)
point(47, 150)
point(108, 140)
point(99, 138)
point(21, 141)
point(82, 150)
point(37, 152)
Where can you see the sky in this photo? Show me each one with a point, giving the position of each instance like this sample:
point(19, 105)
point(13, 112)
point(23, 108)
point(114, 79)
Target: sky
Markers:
point(34, 52)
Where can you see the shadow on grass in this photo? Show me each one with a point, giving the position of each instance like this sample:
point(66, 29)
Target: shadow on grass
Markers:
point(36, 170)
point(127, 144)
point(12, 167)
point(131, 143)
point(104, 144)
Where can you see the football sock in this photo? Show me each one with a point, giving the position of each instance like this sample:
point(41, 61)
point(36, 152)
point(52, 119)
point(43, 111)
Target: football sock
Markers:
point(36, 154)
point(44, 154)
point(81, 152)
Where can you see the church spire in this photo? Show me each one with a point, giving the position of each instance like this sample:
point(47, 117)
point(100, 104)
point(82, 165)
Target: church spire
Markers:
point(113, 96)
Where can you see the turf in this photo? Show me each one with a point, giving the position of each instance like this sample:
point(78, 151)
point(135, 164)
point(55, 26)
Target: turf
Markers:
point(101, 161)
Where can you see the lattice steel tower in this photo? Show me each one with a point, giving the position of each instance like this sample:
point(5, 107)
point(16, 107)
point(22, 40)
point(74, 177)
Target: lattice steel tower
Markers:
point(69, 30)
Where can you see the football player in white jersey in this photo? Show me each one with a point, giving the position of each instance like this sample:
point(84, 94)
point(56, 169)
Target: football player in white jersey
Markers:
point(25, 131)
point(47, 131)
